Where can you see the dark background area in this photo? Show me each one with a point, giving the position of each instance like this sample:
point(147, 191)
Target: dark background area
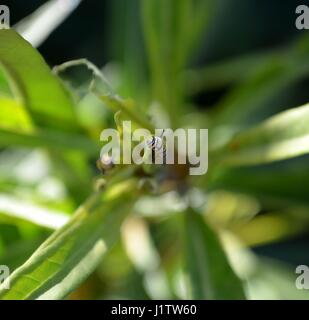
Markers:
point(240, 26)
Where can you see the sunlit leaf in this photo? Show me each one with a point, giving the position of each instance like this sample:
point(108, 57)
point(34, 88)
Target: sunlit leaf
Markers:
point(14, 116)
point(283, 136)
point(15, 208)
point(33, 84)
point(41, 23)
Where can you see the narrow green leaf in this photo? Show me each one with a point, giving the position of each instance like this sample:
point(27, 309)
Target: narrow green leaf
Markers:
point(30, 27)
point(202, 11)
point(283, 136)
point(50, 139)
point(172, 29)
point(210, 274)
point(127, 107)
point(33, 84)
point(96, 83)
point(253, 99)
point(223, 73)
point(69, 255)
point(15, 208)
point(283, 183)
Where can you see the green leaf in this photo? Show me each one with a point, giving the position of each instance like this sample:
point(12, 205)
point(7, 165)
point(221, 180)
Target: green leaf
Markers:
point(14, 116)
point(33, 84)
point(210, 274)
point(96, 84)
point(4, 86)
point(74, 170)
point(285, 182)
point(223, 73)
point(127, 107)
point(172, 29)
point(72, 253)
point(15, 208)
point(283, 136)
point(51, 139)
point(264, 88)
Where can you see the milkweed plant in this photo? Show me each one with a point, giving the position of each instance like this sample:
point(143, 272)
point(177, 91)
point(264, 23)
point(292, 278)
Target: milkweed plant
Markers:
point(72, 229)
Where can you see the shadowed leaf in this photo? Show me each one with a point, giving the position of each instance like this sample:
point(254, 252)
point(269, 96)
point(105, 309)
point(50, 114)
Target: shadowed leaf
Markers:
point(211, 276)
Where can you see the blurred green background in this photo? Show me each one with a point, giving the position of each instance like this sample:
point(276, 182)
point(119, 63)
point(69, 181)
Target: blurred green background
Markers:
point(224, 65)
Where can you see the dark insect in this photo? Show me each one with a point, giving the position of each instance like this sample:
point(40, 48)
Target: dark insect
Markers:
point(157, 147)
